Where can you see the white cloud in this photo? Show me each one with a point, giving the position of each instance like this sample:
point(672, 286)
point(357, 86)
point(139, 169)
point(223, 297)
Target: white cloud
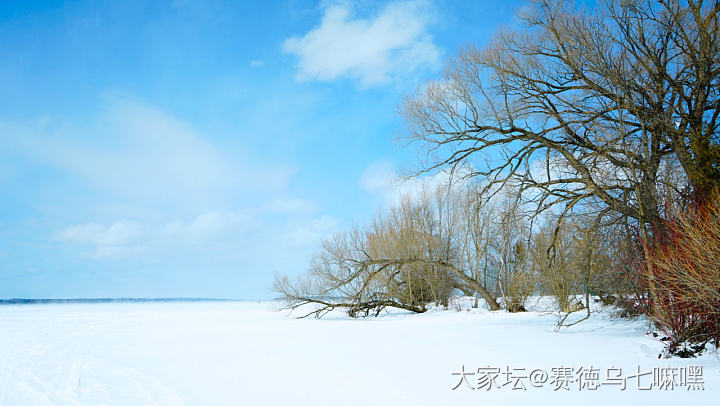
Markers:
point(381, 179)
point(311, 233)
point(125, 237)
point(214, 230)
point(390, 44)
point(141, 156)
point(378, 177)
point(117, 238)
point(119, 233)
point(134, 183)
point(291, 205)
point(210, 227)
point(256, 63)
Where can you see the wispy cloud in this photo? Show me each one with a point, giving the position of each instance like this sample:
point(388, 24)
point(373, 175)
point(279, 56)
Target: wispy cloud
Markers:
point(291, 205)
point(118, 238)
point(119, 233)
point(207, 228)
point(145, 184)
point(214, 230)
point(139, 155)
point(310, 233)
point(382, 180)
point(374, 50)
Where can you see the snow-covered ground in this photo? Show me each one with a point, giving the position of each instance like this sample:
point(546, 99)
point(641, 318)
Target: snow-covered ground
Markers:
point(246, 353)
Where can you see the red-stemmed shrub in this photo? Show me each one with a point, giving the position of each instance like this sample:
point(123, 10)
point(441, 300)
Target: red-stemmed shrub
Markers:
point(680, 267)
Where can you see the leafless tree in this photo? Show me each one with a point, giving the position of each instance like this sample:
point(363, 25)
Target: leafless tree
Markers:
point(552, 258)
point(405, 259)
point(515, 278)
point(584, 106)
point(477, 225)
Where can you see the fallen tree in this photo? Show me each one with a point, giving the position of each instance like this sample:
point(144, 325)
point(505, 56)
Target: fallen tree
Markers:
point(406, 259)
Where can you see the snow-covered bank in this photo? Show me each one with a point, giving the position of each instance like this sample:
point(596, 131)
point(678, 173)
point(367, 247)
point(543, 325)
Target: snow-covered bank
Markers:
point(234, 353)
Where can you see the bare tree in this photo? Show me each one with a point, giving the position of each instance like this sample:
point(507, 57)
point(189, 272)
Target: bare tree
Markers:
point(584, 106)
point(552, 257)
point(478, 227)
point(515, 278)
point(406, 259)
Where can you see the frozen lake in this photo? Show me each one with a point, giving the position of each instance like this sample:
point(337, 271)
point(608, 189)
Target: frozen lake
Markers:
point(232, 353)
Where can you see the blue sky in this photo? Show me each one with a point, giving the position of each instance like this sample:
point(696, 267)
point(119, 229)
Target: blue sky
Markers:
point(195, 148)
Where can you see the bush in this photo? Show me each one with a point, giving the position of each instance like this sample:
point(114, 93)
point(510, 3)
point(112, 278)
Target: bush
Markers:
point(681, 270)
point(555, 271)
point(519, 281)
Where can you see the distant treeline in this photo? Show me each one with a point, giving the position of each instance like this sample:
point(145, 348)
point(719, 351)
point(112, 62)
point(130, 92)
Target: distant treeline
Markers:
point(110, 300)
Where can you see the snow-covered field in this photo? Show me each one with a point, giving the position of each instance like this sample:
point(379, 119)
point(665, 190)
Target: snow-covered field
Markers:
point(246, 353)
